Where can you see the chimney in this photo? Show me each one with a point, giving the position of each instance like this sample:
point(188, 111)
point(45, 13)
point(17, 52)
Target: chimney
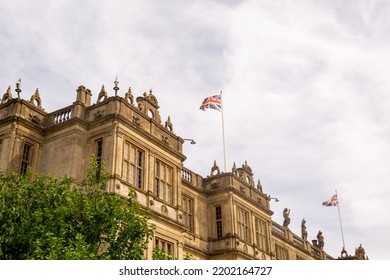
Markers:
point(84, 96)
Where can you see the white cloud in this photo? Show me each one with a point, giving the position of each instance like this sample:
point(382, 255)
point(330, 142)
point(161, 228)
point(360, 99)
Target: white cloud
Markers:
point(305, 89)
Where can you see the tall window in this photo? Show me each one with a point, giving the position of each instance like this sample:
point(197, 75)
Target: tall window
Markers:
point(26, 158)
point(163, 183)
point(188, 206)
point(99, 156)
point(218, 220)
point(243, 224)
point(261, 234)
point(133, 160)
point(281, 254)
point(163, 245)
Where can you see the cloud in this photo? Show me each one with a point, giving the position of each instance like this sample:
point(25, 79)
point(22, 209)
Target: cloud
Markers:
point(304, 83)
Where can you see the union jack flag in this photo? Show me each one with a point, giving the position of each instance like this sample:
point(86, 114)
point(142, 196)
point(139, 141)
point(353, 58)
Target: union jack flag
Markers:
point(331, 202)
point(212, 102)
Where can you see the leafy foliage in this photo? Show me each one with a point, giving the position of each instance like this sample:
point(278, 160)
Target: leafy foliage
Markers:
point(55, 218)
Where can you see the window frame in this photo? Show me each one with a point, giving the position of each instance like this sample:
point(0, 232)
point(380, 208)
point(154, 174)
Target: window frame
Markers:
point(133, 164)
point(243, 224)
point(26, 163)
point(281, 253)
point(218, 221)
point(261, 234)
point(99, 155)
point(188, 211)
point(164, 245)
point(163, 181)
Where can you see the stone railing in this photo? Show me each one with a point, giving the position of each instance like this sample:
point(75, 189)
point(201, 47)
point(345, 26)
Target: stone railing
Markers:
point(60, 116)
point(316, 251)
point(186, 175)
point(299, 241)
point(279, 229)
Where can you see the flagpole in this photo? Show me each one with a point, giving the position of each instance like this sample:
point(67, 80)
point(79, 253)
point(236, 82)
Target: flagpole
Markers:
point(341, 226)
point(223, 135)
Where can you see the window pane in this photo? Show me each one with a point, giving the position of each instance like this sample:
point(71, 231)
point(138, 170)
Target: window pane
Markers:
point(126, 152)
point(132, 155)
point(139, 162)
point(162, 173)
point(131, 174)
point(139, 178)
point(125, 170)
point(157, 187)
point(157, 171)
point(169, 175)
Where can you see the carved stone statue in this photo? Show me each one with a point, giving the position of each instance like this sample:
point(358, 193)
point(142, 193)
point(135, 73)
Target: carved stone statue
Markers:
point(320, 239)
point(303, 229)
point(286, 214)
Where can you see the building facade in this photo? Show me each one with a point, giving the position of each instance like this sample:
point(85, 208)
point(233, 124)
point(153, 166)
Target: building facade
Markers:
point(225, 215)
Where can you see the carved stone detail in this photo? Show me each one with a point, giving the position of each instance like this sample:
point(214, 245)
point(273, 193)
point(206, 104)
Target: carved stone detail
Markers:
point(259, 186)
point(36, 99)
point(129, 98)
point(102, 95)
point(34, 119)
point(7, 96)
point(99, 114)
point(168, 124)
point(165, 139)
point(215, 169)
point(164, 210)
point(136, 120)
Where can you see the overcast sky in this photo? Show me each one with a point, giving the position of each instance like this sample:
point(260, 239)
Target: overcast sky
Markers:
point(305, 84)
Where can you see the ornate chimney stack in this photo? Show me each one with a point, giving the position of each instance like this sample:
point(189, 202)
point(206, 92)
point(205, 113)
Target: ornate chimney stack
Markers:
point(84, 96)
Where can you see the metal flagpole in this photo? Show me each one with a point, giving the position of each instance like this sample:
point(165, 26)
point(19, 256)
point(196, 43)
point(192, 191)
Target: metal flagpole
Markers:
point(341, 226)
point(223, 135)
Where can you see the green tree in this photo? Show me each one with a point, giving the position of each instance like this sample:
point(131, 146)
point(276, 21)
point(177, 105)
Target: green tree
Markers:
point(54, 218)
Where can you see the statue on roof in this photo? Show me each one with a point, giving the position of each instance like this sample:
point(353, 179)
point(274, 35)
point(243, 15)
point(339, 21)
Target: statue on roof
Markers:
point(320, 240)
point(303, 229)
point(286, 216)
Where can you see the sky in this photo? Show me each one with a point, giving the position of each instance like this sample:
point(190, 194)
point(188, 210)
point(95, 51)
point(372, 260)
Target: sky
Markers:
point(305, 85)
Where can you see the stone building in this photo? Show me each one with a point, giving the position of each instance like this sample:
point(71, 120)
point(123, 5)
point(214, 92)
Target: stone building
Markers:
point(225, 215)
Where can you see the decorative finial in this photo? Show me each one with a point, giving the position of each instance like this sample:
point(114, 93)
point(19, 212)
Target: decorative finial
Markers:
point(116, 88)
point(7, 95)
point(102, 95)
point(36, 99)
point(168, 124)
point(234, 168)
point(129, 96)
point(215, 169)
point(259, 186)
point(18, 90)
